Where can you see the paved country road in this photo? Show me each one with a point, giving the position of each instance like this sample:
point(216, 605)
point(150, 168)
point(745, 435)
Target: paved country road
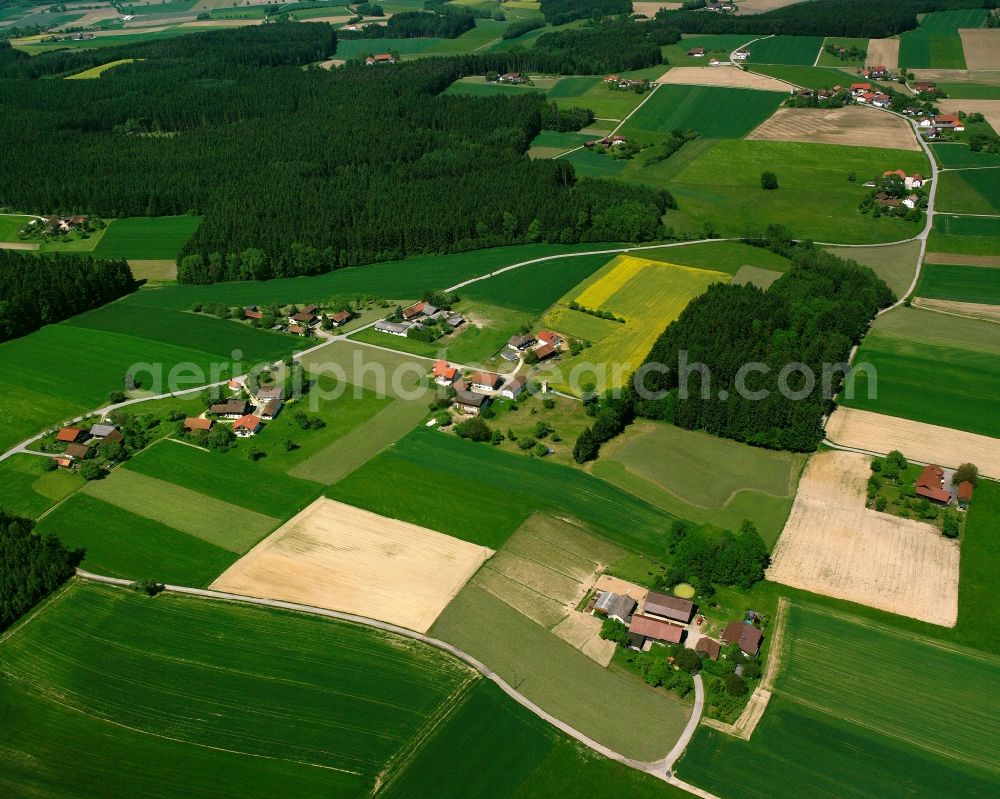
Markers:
point(658, 768)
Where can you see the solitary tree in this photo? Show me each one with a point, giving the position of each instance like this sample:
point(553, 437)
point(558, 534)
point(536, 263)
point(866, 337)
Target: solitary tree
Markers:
point(768, 181)
point(967, 471)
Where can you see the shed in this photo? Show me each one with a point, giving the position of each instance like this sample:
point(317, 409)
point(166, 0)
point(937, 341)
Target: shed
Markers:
point(668, 607)
point(745, 635)
point(655, 628)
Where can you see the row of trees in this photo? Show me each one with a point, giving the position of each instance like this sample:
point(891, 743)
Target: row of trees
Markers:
point(38, 290)
point(559, 12)
point(33, 566)
point(444, 23)
point(855, 18)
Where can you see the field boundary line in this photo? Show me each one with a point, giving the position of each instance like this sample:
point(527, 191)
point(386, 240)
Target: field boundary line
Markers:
point(657, 768)
point(51, 599)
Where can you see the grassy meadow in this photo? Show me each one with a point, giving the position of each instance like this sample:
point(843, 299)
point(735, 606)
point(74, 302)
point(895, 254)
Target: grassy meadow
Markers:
point(719, 256)
point(969, 191)
point(979, 284)
point(713, 112)
point(821, 77)
point(494, 493)
point(10, 224)
point(933, 368)
point(801, 50)
point(149, 238)
point(814, 200)
point(164, 683)
point(957, 155)
point(936, 43)
point(756, 484)
point(896, 264)
point(827, 60)
point(717, 46)
point(96, 72)
point(647, 294)
point(29, 489)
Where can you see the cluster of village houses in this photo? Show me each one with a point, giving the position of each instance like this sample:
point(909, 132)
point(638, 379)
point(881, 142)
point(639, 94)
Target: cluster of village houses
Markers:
point(416, 316)
point(475, 391)
point(303, 322)
point(910, 182)
point(736, 56)
point(54, 225)
point(379, 58)
point(247, 415)
point(78, 441)
point(672, 620)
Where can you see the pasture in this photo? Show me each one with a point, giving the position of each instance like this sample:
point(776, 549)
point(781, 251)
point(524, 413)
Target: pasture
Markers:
point(727, 173)
point(10, 224)
point(827, 60)
point(120, 543)
point(714, 112)
point(957, 156)
point(146, 238)
point(648, 295)
point(895, 264)
point(225, 477)
point(922, 379)
point(833, 545)
point(589, 164)
point(809, 77)
point(969, 191)
point(562, 680)
point(969, 91)
point(343, 558)
point(923, 49)
point(29, 490)
point(578, 324)
point(980, 284)
point(801, 50)
point(164, 684)
point(513, 754)
point(756, 484)
point(549, 143)
point(504, 488)
point(595, 94)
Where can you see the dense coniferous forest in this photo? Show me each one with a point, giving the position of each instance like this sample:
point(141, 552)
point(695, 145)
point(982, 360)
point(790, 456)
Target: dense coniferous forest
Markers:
point(559, 12)
point(859, 18)
point(812, 315)
point(299, 171)
point(38, 290)
point(446, 23)
point(32, 567)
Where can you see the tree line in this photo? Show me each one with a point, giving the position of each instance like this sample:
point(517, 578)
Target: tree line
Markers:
point(559, 12)
point(299, 171)
point(37, 290)
point(875, 19)
point(443, 23)
point(33, 566)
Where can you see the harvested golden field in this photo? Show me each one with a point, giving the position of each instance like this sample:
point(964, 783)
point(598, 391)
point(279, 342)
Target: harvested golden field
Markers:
point(988, 108)
point(833, 545)
point(971, 310)
point(989, 77)
point(853, 126)
point(884, 52)
point(927, 443)
point(982, 47)
point(343, 558)
point(650, 9)
point(722, 76)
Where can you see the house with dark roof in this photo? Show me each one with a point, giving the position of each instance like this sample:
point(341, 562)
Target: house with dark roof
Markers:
point(658, 630)
point(668, 607)
point(708, 647)
point(930, 485)
point(271, 409)
point(615, 606)
point(340, 318)
point(77, 451)
point(521, 342)
point(393, 328)
point(232, 409)
point(746, 636)
point(469, 401)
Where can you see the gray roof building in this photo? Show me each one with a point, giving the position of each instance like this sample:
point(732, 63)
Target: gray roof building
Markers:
point(615, 606)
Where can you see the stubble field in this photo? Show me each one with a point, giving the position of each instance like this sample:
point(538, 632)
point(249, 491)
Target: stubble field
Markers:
point(852, 125)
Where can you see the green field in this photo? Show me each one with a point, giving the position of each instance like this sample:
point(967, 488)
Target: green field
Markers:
point(29, 490)
point(514, 755)
point(648, 295)
point(756, 484)
point(821, 77)
point(714, 112)
point(226, 477)
point(814, 200)
point(862, 710)
point(150, 238)
point(578, 324)
point(969, 191)
point(800, 50)
point(969, 91)
point(958, 155)
point(355, 48)
point(595, 94)
point(591, 164)
point(119, 543)
point(503, 488)
point(936, 43)
point(562, 680)
point(895, 264)
point(933, 368)
point(960, 283)
point(827, 60)
point(189, 697)
point(535, 287)
point(966, 235)
point(550, 143)
point(10, 224)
